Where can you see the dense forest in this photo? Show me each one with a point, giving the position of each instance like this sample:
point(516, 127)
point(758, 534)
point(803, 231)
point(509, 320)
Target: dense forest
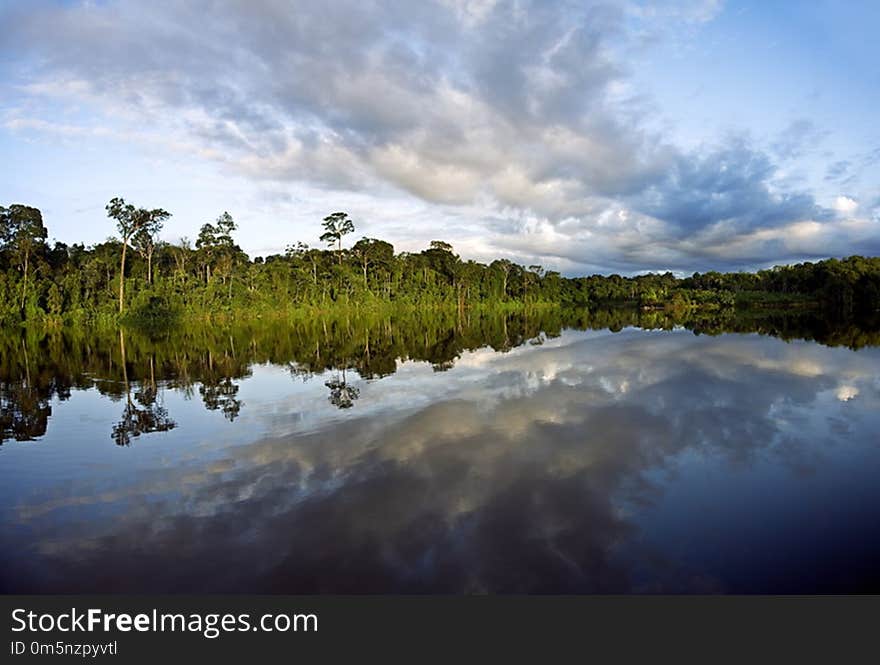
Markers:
point(138, 277)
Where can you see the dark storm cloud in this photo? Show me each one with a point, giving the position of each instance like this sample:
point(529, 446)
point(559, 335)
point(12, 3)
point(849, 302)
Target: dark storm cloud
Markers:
point(727, 186)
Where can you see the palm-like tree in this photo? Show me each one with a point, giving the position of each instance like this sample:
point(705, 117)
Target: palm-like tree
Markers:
point(335, 226)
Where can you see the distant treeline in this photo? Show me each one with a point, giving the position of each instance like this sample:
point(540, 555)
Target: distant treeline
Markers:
point(136, 275)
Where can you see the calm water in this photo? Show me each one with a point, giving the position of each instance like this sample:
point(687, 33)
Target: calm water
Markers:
point(503, 454)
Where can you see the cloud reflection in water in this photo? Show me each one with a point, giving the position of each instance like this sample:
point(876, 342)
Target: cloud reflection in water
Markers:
point(595, 463)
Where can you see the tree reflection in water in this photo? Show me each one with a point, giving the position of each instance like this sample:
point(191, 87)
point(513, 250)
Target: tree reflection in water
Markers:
point(221, 396)
point(39, 366)
point(597, 463)
point(143, 415)
point(342, 395)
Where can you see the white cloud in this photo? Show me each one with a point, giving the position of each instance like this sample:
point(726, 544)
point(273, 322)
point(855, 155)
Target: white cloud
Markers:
point(846, 393)
point(845, 205)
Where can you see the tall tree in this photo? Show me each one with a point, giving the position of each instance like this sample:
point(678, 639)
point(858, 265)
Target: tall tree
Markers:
point(144, 242)
point(371, 252)
point(442, 259)
point(131, 221)
point(181, 252)
point(22, 232)
point(530, 276)
point(502, 266)
point(335, 226)
point(216, 244)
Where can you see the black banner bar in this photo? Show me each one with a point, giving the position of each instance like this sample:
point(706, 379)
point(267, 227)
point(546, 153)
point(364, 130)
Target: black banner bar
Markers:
point(134, 629)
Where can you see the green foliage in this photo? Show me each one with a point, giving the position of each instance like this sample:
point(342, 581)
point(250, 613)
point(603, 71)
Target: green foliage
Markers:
point(335, 226)
point(135, 223)
point(22, 235)
point(217, 252)
point(131, 220)
point(215, 279)
point(152, 312)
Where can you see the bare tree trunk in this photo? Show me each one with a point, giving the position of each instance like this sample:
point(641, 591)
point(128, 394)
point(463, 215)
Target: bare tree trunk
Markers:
point(122, 276)
point(150, 267)
point(124, 365)
point(24, 283)
point(27, 365)
point(366, 277)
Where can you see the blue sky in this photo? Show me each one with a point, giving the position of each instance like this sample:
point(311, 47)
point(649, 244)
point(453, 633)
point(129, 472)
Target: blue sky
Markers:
point(617, 136)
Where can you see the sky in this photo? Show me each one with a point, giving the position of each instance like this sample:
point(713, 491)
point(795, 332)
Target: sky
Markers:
point(620, 136)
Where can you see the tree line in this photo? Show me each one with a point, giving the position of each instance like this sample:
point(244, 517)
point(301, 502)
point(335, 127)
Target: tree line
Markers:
point(135, 274)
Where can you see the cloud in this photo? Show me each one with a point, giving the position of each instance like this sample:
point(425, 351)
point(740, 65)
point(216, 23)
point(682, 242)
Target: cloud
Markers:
point(729, 187)
point(508, 110)
point(846, 393)
point(838, 170)
point(845, 205)
point(512, 474)
point(691, 11)
point(797, 138)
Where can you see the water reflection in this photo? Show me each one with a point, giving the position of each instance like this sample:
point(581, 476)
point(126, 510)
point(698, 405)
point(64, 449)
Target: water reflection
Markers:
point(38, 367)
point(342, 395)
point(590, 462)
point(145, 414)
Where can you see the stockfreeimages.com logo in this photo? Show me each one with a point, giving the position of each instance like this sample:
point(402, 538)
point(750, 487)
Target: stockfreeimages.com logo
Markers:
point(209, 625)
